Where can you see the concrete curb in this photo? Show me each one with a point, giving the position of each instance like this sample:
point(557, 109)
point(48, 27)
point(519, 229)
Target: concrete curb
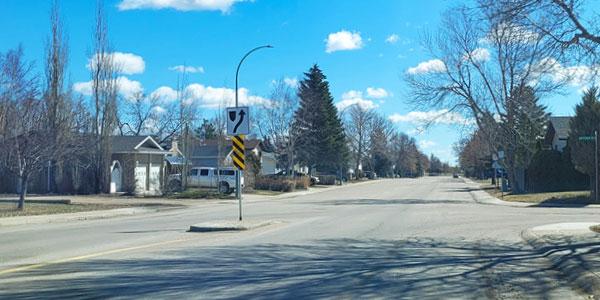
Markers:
point(481, 197)
point(70, 217)
point(328, 188)
point(229, 226)
point(574, 270)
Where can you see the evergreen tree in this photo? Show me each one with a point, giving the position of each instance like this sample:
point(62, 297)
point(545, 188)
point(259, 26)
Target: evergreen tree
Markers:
point(584, 123)
point(206, 131)
point(321, 139)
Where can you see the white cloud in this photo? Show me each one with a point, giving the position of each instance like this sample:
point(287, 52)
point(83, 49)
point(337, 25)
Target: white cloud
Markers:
point(392, 39)
point(84, 88)
point(578, 76)
point(353, 97)
point(126, 63)
point(430, 66)
point(181, 5)
point(425, 144)
point(479, 55)
point(291, 82)
point(343, 40)
point(187, 69)
point(127, 88)
point(215, 97)
point(165, 94)
point(377, 93)
point(420, 118)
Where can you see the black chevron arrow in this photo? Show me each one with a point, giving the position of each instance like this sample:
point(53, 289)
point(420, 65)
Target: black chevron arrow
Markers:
point(242, 114)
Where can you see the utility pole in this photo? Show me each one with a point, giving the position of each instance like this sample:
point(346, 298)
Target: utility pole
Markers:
point(238, 191)
point(596, 160)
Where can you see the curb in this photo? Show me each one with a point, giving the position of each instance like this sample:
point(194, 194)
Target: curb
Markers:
point(229, 226)
point(328, 188)
point(573, 270)
point(70, 217)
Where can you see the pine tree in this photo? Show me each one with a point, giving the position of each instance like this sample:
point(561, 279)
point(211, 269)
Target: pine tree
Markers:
point(321, 139)
point(584, 123)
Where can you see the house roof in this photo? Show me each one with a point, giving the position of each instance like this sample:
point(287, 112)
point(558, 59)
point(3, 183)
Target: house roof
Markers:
point(210, 148)
point(135, 144)
point(561, 126)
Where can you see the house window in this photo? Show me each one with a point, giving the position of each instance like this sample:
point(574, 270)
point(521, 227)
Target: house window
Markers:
point(194, 172)
point(204, 172)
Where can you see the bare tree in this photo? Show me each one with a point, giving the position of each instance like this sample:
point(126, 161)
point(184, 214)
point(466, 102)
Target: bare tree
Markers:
point(275, 123)
point(358, 127)
point(569, 24)
point(104, 97)
point(57, 101)
point(23, 135)
point(482, 66)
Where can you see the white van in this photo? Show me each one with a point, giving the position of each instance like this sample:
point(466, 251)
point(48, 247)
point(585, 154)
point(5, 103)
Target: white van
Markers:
point(208, 178)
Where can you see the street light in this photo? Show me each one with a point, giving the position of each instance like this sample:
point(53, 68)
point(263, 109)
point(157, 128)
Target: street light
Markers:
point(238, 69)
point(238, 192)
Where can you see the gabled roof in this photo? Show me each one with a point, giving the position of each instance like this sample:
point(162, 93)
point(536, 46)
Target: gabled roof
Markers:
point(135, 144)
point(561, 126)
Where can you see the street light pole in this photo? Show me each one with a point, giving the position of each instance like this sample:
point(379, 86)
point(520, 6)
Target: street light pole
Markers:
point(238, 192)
point(596, 165)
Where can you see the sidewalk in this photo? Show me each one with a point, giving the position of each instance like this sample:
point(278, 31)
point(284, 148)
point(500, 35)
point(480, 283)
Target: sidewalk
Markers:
point(78, 216)
point(480, 196)
point(572, 248)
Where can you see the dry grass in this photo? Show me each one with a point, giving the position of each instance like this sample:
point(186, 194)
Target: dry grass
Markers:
point(33, 209)
point(567, 197)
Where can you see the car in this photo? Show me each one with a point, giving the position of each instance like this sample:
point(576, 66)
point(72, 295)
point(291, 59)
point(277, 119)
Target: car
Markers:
point(207, 177)
point(313, 179)
point(371, 174)
point(455, 175)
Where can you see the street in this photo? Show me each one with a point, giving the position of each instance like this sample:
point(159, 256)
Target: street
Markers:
point(388, 238)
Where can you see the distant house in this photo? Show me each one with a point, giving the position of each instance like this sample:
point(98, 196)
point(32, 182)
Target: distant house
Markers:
point(214, 153)
point(557, 133)
point(137, 165)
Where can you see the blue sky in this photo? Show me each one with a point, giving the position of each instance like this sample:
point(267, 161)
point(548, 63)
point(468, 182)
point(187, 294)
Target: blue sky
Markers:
point(371, 45)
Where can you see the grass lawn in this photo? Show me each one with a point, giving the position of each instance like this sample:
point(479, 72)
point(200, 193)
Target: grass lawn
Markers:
point(549, 198)
point(8, 209)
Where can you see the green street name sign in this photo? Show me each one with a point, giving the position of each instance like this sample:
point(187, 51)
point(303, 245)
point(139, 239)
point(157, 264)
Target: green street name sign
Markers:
point(586, 138)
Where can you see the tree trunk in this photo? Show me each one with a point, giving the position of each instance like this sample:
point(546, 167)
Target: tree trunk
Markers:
point(23, 192)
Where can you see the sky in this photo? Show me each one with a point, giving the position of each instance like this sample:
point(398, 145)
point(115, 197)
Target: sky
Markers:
point(363, 47)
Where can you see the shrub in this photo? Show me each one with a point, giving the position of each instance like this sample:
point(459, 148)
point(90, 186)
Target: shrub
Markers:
point(551, 171)
point(274, 184)
point(303, 182)
point(327, 179)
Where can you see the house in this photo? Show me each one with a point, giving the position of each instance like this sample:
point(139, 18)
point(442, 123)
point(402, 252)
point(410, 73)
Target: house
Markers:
point(138, 165)
point(217, 153)
point(557, 133)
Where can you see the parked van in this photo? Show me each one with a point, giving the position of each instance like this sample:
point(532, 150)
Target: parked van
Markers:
point(206, 177)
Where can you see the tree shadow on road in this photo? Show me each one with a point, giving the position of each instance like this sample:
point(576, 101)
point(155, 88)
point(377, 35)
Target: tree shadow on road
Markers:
point(412, 268)
point(390, 201)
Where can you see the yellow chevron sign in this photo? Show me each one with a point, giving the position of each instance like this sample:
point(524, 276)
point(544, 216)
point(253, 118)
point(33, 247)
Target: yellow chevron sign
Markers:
point(237, 155)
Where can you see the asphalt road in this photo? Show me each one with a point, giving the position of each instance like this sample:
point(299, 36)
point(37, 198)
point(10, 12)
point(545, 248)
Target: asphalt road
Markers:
point(395, 238)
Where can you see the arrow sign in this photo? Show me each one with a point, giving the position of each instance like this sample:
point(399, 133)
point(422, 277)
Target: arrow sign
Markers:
point(238, 121)
point(241, 119)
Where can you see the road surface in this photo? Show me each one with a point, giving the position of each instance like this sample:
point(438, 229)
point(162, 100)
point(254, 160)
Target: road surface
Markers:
point(391, 238)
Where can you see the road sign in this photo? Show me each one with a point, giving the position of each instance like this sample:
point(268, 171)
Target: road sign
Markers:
point(586, 138)
point(237, 154)
point(238, 121)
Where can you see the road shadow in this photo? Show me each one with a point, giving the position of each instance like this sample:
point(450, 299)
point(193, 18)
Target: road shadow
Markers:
point(333, 268)
point(390, 202)
point(565, 202)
